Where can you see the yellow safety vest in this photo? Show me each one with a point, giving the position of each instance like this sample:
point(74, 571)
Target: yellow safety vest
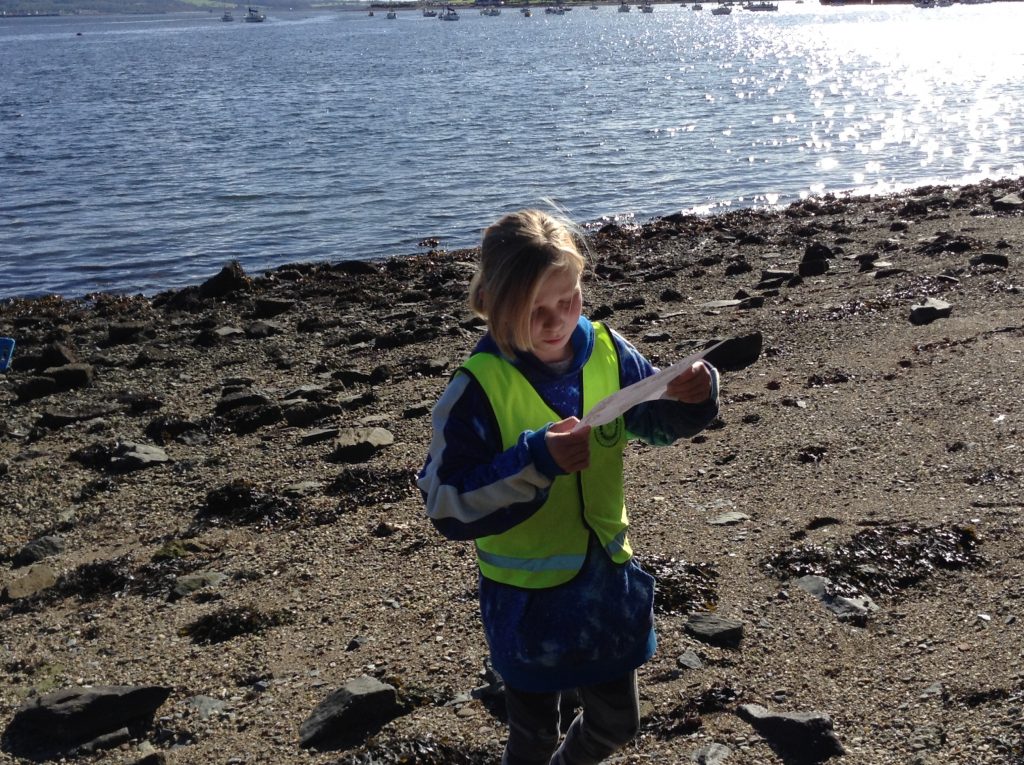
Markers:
point(549, 547)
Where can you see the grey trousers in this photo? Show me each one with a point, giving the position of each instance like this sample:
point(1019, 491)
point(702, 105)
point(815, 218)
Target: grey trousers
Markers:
point(609, 720)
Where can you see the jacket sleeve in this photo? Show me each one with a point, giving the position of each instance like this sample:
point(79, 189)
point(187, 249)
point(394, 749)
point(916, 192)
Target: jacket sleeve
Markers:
point(663, 421)
point(471, 486)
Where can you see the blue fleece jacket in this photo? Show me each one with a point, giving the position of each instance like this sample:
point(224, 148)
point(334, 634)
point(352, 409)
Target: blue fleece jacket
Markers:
point(599, 625)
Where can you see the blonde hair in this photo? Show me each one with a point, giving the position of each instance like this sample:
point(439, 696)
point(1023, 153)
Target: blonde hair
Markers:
point(515, 255)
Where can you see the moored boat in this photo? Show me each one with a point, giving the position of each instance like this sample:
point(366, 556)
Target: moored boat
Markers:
point(228, 16)
point(254, 15)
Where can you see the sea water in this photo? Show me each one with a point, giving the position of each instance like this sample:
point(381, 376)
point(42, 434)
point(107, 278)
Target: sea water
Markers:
point(139, 153)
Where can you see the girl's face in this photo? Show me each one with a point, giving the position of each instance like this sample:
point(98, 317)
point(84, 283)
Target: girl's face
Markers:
point(554, 315)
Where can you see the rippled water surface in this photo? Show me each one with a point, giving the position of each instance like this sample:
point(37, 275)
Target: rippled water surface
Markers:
point(145, 152)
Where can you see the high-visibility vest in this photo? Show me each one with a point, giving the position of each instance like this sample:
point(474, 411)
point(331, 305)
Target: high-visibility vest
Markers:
point(549, 547)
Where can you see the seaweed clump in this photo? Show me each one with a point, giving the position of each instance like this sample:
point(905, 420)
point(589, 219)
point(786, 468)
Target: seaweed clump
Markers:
point(418, 751)
point(227, 623)
point(241, 502)
point(883, 560)
point(682, 587)
point(685, 718)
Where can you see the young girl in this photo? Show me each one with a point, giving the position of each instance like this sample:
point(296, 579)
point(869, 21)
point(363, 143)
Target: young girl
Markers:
point(564, 607)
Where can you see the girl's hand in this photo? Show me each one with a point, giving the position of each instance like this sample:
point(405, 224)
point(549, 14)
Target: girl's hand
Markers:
point(570, 451)
point(693, 386)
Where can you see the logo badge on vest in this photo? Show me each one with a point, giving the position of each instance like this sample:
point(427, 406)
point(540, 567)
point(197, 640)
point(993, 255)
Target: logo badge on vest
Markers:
point(609, 434)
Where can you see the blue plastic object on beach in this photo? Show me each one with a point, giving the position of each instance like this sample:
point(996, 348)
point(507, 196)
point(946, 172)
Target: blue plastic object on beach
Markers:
point(6, 352)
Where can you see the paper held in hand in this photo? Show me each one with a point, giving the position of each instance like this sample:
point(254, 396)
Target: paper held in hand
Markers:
point(648, 389)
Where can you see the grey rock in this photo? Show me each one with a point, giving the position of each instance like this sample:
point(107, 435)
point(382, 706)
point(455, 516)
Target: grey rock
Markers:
point(71, 376)
point(72, 717)
point(318, 435)
point(359, 444)
point(104, 741)
point(803, 736)
point(350, 714)
point(711, 754)
point(729, 519)
point(308, 392)
point(735, 352)
point(1008, 203)
point(152, 758)
point(847, 609)
point(35, 386)
point(267, 307)
point(120, 333)
point(127, 456)
point(205, 706)
point(929, 311)
point(239, 399)
point(994, 259)
point(260, 330)
point(38, 578)
point(715, 630)
point(54, 418)
point(689, 660)
point(37, 549)
point(189, 583)
point(303, 413)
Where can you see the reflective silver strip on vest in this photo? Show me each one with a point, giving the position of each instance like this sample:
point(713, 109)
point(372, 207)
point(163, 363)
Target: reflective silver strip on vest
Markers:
point(615, 546)
point(554, 563)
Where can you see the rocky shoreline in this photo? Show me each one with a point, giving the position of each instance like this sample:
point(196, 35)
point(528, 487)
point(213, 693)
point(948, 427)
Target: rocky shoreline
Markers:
point(212, 548)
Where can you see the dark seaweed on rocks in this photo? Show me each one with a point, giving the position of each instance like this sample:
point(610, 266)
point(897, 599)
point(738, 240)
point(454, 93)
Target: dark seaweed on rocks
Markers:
point(97, 578)
point(372, 487)
point(685, 718)
point(241, 502)
point(227, 623)
point(682, 587)
point(882, 560)
point(419, 751)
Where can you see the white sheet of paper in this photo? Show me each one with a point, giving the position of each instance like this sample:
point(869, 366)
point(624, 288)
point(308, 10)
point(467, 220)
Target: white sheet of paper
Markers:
point(648, 389)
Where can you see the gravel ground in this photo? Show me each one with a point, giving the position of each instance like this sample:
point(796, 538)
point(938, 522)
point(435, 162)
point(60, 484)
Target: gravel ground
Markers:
point(882, 453)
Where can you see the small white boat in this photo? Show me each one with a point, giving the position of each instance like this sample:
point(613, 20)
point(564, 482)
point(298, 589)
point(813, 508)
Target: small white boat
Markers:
point(429, 12)
point(492, 11)
point(761, 6)
point(254, 15)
